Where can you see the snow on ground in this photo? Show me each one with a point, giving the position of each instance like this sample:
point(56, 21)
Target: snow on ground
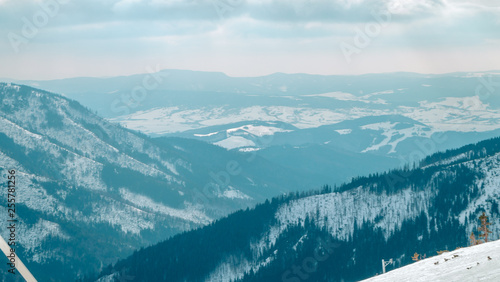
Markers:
point(489, 192)
point(344, 131)
point(257, 130)
point(235, 142)
point(32, 238)
point(128, 218)
point(477, 263)
point(386, 92)
point(205, 135)
point(343, 96)
point(451, 114)
point(394, 136)
point(232, 193)
point(188, 214)
point(228, 271)
point(246, 150)
point(169, 120)
point(109, 278)
point(455, 114)
point(360, 204)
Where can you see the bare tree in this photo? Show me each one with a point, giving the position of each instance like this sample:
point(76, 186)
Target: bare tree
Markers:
point(483, 229)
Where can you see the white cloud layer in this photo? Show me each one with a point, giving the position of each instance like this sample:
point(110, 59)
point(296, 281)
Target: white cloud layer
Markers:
point(246, 37)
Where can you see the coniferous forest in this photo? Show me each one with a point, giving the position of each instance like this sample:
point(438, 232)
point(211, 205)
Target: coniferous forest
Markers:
point(309, 251)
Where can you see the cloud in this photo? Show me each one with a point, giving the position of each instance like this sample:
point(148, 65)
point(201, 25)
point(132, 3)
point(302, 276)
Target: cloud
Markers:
point(207, 10)
point(297, 30)
point(297, 11)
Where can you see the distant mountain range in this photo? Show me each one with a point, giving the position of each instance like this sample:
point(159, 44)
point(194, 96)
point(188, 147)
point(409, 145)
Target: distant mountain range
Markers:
point(179, 100)
point(94, 189)
point(317, 123)
point(336, 153)
point(90, 191)
point(340, 233)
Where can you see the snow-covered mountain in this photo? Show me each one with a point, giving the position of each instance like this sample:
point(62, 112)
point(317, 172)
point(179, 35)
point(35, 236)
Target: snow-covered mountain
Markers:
point(336, 153)
point(89, 192)
point(402, 116)
point(168, 101)
point(340, 233)
point(272, 134)
point(443, 114)
point(245, 136)
point(475, 263)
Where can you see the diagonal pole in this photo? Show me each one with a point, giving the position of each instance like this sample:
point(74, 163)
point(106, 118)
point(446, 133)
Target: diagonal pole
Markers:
point(19, 264)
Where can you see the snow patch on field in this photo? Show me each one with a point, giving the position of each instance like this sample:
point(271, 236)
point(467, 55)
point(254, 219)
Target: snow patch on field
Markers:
point(343, 96)
point(205, 135)
point(234, 142)
point(234, 194)
point(464, 114)
point(344, 131)
point(257, 130)
point(169, 120)
point(394, 136)
point(246, 150)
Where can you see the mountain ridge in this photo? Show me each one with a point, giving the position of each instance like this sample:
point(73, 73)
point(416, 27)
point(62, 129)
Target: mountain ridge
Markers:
point(381, 216)
point(82, 175)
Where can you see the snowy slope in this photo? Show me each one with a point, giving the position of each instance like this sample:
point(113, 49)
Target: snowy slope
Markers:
point(338, 212)
point(76, 171)
point(466, 264)
point(68, 165)
point(430, 208)
point(190, 101)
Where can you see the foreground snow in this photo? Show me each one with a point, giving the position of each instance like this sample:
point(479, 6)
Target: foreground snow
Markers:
point(467, 264)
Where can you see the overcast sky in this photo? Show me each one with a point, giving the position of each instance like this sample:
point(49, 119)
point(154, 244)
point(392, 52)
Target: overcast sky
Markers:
point(246, 37)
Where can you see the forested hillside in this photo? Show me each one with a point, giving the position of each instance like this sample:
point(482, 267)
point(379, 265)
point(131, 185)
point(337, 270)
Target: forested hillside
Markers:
point(338, 233)
point(90, 192)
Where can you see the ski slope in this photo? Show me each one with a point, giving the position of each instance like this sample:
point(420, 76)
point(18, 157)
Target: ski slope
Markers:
point(466, 264)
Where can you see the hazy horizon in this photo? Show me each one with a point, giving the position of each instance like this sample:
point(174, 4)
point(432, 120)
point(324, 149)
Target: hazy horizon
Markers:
point(55, 39)
point(249, 76)
point(247, 140)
